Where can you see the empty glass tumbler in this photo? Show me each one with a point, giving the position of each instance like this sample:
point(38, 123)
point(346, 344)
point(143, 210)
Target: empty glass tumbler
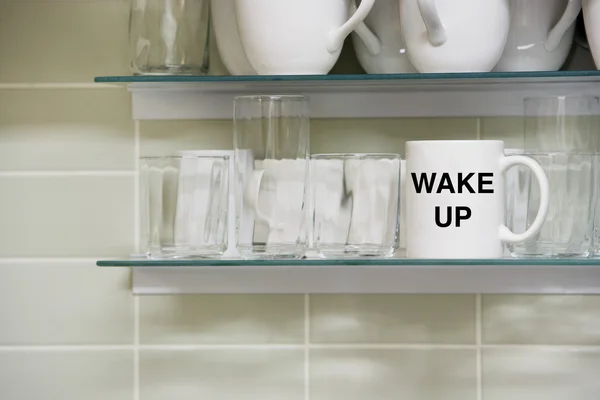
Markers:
point(561, 133)
point(184, 204)
point(355, 204)
point(169, 37)
point(271, 141)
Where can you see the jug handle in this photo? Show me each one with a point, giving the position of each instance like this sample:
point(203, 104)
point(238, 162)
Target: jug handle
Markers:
point(564, 23)
point(336, 38)
point(435, 29)
point(371, 41)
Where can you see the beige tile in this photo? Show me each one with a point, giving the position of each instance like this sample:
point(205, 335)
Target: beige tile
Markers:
point(508, 129)
point(84, 304)
point(222, 319)
point(66, 216)
point(222, 375)
point(347, 63)
point(552, 320)
point(448, 319)
point(63, 41)
point(66, 130)
point(540, 374)
point(393, 374)
point(71, 375)
point(385, 135)
point(167, 137)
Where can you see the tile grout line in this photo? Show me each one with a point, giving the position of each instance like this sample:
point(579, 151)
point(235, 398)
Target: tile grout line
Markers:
point(58, 86)
point(136, 240)
point(478, 340)
point(307, 346)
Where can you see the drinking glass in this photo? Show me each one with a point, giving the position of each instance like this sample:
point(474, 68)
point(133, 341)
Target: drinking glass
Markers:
point(561, 133)
point(169, 37)
point(271, 142)
point(355, 204)
point(184, 204)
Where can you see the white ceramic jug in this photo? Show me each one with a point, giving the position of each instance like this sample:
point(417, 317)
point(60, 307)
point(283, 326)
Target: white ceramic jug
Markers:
point(384, 23)
point(297, 37)
point(540, 36)
point(591, 15)
point(228, 38)
point(454, 35)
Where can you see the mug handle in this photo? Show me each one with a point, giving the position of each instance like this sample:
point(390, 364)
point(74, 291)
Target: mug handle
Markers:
point(336, 38)
point(564, 23)
point(431, 18)
point(371, 41)
point(507, 162)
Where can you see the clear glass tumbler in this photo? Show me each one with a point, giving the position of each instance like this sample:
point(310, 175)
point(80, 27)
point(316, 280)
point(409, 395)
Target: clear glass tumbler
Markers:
point(169, 37)
point(561, 133)
point(355, 203)
point(184, 204)
point(271, 142)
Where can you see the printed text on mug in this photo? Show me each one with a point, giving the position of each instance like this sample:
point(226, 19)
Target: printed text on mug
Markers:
point(463, 184)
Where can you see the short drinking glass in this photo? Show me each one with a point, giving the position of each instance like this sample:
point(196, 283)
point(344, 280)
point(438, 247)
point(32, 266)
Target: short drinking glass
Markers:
point(355, 204)
point(184, 204)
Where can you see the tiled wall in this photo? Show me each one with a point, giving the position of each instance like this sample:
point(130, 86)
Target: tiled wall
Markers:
point(71, 331)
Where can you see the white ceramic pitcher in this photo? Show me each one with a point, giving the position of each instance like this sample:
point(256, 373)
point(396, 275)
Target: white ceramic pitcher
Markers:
point(454, 35)
point(541, 34)
point(297, 37)
point(384, 23)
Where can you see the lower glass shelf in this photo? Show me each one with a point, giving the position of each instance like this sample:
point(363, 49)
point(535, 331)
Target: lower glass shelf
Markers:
point(366, 262)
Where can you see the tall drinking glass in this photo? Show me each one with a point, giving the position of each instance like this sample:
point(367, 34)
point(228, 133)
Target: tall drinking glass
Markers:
point(271, 142)
point(561, 133)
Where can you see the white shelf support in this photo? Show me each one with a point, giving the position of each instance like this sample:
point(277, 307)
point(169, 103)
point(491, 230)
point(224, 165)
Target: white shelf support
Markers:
point(357, 99)
point(485, 279)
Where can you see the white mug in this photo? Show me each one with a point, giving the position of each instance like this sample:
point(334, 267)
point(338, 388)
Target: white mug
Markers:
point(227, 37)
point(454, 35)
point(390, 56)
point(540, 36)
point(591, 16)
point(455, 200)
point(296, 37)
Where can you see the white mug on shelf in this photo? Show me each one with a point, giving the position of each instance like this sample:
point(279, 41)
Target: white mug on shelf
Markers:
point(454, 35)
point(541, 34)
point(591, 16)
point(298, 37)
point(227, 37)
point(455, 199)
point(384, 23)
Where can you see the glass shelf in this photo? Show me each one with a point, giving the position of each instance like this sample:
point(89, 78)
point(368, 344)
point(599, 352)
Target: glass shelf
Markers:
point(556, 75)
point(364, 262)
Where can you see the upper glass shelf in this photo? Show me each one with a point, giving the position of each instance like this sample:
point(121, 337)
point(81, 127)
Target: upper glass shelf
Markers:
point(391, 262)
point(455, 77)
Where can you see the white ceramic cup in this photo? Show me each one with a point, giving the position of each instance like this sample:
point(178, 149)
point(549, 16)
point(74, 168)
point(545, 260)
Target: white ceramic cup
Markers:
point(384, 24)
point(454, 35)
point(227, 37)
point(296, 37)
point(591, 16)
point(541, 34)
point(455, 199)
